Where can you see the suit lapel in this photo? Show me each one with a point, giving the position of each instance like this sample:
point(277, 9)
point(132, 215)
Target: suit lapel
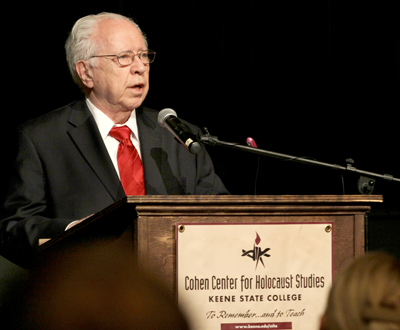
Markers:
point(150, 144)
point(86, 136)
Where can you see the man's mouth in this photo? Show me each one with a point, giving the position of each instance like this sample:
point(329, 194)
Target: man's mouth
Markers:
point(138, 87)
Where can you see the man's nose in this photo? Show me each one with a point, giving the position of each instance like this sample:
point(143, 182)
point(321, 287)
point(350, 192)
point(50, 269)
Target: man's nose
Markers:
point(137, 66)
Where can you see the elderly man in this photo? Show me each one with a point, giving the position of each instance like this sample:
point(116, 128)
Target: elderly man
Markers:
point(68, 163)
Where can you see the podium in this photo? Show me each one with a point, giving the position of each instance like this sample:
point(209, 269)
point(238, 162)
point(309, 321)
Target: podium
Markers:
point(146, 225)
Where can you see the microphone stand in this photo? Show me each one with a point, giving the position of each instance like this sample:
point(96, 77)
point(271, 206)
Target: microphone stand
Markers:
point(366, 182)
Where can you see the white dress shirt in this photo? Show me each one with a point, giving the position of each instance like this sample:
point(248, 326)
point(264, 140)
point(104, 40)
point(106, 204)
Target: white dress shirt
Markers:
point(105, 124)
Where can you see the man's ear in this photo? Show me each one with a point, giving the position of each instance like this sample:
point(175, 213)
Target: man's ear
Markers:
point(85, 73)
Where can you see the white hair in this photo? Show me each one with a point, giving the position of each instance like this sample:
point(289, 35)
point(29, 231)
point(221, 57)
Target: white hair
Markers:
point(80, 45)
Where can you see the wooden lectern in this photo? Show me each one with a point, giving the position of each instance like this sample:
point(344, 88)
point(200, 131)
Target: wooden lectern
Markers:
point(146, 225)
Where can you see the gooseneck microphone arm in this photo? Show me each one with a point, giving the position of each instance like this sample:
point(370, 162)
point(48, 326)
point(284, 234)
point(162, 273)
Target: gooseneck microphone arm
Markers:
point(366, 184)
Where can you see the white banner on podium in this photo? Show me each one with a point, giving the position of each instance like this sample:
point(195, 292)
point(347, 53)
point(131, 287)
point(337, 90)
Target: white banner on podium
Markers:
point(254, 276)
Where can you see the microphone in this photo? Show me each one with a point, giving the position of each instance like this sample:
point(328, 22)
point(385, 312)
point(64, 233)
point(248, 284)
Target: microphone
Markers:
point(167, 118)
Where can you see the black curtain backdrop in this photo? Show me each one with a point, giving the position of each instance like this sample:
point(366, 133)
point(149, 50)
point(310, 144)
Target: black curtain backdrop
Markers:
point(314, 78)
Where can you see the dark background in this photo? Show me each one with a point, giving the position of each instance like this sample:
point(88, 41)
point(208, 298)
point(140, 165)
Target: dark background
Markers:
point(314, 78)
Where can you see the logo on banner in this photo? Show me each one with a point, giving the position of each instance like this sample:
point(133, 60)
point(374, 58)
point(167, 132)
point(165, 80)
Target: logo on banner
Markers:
point(256, 253)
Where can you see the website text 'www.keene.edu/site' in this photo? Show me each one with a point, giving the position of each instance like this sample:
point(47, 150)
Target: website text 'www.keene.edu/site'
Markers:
point(275, 325)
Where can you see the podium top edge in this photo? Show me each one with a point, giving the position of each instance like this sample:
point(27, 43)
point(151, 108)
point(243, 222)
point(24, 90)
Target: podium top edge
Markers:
point(255, 199)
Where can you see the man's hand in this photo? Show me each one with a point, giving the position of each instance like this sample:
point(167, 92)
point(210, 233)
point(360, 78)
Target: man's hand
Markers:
point(74, 223)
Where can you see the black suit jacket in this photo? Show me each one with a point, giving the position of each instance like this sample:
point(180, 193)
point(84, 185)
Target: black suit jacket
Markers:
point(63, 173)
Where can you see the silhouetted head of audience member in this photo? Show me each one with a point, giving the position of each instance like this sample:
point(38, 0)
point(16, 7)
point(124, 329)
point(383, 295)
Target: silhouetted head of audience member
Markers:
point(95, 288)
point(365, 295)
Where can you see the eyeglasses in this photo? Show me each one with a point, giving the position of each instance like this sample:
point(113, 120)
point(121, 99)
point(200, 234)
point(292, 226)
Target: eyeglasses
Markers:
point(127, 58)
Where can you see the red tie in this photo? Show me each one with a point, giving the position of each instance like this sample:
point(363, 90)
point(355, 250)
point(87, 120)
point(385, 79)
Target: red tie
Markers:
point(129, 163)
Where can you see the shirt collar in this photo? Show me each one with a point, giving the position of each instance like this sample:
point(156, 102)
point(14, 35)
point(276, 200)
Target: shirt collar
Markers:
point(105, 124)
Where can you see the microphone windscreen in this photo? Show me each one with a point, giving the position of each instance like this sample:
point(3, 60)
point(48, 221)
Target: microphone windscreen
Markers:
point(164, 114)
